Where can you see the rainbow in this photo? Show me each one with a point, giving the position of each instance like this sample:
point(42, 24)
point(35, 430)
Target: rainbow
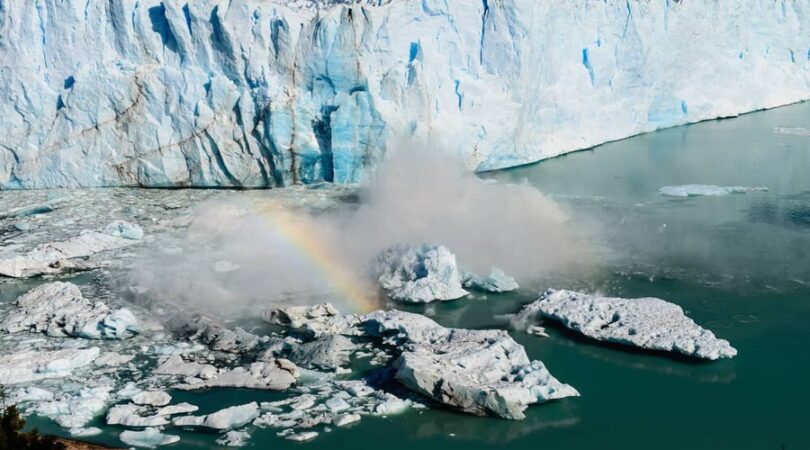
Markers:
point(300, 235)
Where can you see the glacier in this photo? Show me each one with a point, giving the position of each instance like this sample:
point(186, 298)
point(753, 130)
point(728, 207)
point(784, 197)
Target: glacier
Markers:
point(265, 93)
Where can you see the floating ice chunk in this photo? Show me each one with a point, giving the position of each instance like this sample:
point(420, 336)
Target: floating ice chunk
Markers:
point(234, 439)
point(175, 365)
point(346, 419)
point(314, 320)
point(391, 405)
point(303, 436)
point(125, 230)
point(59, 309)
point(26, 366)
point(419, 274)
point(188, 421)
point(180, 408)
point(224, 419)
point(649, 323)
point(153, 398)
point(537, 330)
point(337, 404)
point(497, 281)
point(148, 438)
point(277, 374)
point(129, 416)
point(478, 371)
point(298, 316)
point(694, 190)
point(328, 352)
point(795, 131)
point(233, 417)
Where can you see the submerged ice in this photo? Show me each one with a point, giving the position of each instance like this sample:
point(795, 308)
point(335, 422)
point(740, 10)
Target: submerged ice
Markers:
point(270, 93)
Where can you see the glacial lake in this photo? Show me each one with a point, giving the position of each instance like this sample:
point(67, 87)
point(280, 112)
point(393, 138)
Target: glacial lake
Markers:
point(738, 264)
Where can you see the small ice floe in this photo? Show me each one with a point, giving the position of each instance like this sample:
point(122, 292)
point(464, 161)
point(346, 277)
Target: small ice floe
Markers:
point(176, 365)
point(276, 374)
point(303, 436)
point(26, 366)
point(63, 256)
point(152, 398)
point(130, 415)
point(648, 323)
point(329, 352)
point(537, 331)
point(224, 419)
point(180, 408)
point(419, 274)
point(694, 190)
point(314, 320)
point(126, 230)
point(346, 420)
point(148, 438)
point(234, 439)
point(496, 282)
point(794, 131)
point(59, 309)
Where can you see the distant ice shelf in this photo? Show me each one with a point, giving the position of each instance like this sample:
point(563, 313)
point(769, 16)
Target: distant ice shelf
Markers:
point(261, 93)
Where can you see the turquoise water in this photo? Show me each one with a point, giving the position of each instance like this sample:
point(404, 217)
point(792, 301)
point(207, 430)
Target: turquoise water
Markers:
point(738, 264)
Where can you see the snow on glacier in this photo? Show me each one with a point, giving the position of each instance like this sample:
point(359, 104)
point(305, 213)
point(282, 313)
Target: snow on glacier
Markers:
point(271, 93)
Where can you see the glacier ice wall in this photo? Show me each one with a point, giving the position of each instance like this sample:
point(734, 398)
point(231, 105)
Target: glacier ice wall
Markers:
point(267, 93)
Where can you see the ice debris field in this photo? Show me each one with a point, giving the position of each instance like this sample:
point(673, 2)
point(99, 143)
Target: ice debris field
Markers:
point(78, 354)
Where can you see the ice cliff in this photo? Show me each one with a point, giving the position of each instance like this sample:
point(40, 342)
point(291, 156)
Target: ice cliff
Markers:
point(272, 92)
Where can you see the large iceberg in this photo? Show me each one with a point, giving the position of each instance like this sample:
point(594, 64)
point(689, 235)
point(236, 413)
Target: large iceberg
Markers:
point(271, 92)
point(649, 323)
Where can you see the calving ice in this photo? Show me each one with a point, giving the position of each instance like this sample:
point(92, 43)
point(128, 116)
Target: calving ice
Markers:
point(271, 93)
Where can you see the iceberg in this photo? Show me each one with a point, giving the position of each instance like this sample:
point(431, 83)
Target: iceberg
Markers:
point(420, 274)
point(224, 419)
point(496, 282)
point(260, 93)
point(649, 323)
point(234, 439)
point(148, 438)
point(481, 372)
point(129, 416)
point(694, 190)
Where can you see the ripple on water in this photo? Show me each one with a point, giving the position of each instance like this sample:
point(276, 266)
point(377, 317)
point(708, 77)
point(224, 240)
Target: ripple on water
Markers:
point(745, 318)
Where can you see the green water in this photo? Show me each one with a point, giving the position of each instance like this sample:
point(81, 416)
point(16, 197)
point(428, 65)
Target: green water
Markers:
point(738, 264)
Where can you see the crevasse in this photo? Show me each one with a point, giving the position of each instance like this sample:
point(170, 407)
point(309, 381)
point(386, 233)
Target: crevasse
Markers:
point(260, 93)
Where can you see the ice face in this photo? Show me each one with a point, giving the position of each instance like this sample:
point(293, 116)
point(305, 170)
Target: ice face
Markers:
point(270, 92)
